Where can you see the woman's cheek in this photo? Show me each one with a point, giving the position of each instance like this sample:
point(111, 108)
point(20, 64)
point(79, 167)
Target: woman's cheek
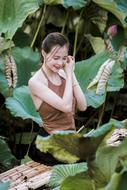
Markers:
point(51, 62)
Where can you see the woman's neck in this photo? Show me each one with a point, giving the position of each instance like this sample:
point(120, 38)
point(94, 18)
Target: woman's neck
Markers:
point(49, 72)
point(52, 76)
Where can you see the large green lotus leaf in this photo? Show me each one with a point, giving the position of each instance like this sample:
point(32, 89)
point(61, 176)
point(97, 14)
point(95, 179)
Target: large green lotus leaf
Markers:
point(21, 105)
point(13, 13)
point(86, 70)
point(76, 4)
point(62, 171)
point(68, 146)
point(4, 89)
point(27, 61)
point(107, 160)
point(6, 157)
point(79, 181)
point(116, 7)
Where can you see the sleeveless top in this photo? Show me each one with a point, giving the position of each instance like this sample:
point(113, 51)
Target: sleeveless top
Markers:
point(54, 119)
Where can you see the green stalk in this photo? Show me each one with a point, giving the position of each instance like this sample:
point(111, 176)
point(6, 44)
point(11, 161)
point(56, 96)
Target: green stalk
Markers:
point(38, 28)
point(93, 185)
point(62, 31)
point(102, 112)
point(101, 115)
point(76, 34)
point(114, 104)
point(75, 42)
point(32, 128)
point(80, 43)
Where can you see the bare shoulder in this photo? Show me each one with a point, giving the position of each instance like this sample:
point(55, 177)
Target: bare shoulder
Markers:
point(38, 77)
point(62, 73)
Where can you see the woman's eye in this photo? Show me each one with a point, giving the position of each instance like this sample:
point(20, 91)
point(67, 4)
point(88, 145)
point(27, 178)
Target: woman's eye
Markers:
point(56, 58)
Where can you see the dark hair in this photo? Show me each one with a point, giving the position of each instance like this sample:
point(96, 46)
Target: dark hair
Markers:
point(52, 39)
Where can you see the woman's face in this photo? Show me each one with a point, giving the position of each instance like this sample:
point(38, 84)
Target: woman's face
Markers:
point(56, 58)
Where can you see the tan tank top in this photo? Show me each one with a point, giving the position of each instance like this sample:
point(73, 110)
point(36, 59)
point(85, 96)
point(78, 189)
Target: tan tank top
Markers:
point(53, 119)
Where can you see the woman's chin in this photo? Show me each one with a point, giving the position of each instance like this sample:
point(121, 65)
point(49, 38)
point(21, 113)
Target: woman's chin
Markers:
point(56, 70)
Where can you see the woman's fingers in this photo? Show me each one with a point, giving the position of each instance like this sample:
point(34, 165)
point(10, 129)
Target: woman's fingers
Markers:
point(71, 59)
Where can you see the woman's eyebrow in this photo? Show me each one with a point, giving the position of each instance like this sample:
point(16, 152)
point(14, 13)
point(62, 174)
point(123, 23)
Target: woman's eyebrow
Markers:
point(59, 56)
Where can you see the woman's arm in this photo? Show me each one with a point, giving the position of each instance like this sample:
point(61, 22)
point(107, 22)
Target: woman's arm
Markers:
point(79, 95)
point(42, 91)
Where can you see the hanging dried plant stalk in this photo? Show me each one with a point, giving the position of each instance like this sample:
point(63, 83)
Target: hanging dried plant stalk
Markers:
point(10, 71)
point(101, 87)
point(99, 73)
point(110, 48)
point(102, 76)
point(122, 55)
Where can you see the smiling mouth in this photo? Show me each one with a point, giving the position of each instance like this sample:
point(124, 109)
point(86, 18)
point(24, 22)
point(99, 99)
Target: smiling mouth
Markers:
point(57, 66)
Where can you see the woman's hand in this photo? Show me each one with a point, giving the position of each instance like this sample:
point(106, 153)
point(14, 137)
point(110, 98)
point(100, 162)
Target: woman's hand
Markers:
point(69, 65)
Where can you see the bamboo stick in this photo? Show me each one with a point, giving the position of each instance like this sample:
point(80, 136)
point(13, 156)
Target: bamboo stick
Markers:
point(39, 180)
point(12, 172)
point(34, 183)
point(19, 169)
point(32, 164)
point(39, 183)
point(37, 170)
point(16, 175)
point(18, 181)
point(19, 188)
point(39, 177)
point(25, 176)
point(31, 174)
point(22, 186)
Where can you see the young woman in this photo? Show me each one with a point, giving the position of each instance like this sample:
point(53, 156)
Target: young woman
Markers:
point(55, 91)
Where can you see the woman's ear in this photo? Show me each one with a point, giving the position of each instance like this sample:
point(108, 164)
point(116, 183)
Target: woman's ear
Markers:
point(43, 53)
